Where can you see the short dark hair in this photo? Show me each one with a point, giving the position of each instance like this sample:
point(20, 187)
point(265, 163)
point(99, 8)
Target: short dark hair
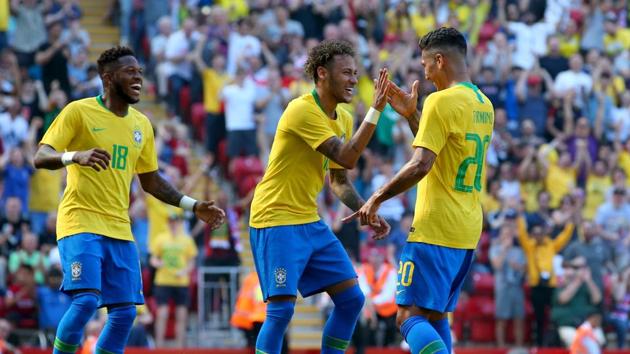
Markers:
point(111, 56)
point(444, 38)
point(323, 53)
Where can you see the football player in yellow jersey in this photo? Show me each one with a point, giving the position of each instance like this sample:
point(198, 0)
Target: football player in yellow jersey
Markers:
point(103, 142)
point(293, 249)
point(452, 136)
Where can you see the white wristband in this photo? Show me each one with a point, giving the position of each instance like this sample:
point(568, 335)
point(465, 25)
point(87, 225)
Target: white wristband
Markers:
point(66, 158)
point(372, 116)
point(187, 203)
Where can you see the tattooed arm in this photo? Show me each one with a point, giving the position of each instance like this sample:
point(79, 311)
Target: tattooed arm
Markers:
point(414, 122)
point(160, 188)
point(344, 190)
point(347, 154)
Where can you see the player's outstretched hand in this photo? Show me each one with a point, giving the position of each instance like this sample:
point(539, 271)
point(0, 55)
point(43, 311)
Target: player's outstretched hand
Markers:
point(96, 158)
point(405, 103)
point(210, 214)
point(381, 231)
point(381, 87)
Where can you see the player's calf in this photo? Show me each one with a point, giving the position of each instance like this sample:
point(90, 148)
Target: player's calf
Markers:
point(279, 313)
point(340, 325)
point(70, 329)
point(116, 332)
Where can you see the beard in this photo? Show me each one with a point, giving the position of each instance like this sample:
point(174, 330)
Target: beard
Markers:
point(337, 90)
point(120, 92)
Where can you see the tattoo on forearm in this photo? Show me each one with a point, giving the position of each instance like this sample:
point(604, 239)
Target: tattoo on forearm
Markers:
point(344, 190)
point(330, 148)
point(165, 192)
point(414, 122)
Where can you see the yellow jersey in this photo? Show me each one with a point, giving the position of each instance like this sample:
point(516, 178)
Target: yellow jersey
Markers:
point(213, 83)
point(45, 190)
point(559, 182)
point(98, 202)
point(287, 193)
point(456, 124)
point(175, 253)
point(596, 189)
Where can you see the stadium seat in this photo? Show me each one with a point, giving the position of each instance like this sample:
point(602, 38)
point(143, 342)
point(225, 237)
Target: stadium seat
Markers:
point(483, 284)
point(185, 101)
point(480, 307)
point(482, 330)
point(147, 281)
point(198, 119)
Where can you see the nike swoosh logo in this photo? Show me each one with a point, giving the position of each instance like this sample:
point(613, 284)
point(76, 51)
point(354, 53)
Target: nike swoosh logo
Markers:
point(399, 291)
point(96, 130)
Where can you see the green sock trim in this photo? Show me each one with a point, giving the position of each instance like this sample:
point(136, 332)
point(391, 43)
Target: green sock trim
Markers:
point(102, 351)
point(336, 343)
point(258, 351)
point(433, 347)
point(65, 347)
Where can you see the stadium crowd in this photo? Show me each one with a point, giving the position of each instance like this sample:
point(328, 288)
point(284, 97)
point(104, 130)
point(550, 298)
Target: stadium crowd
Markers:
point(555, 249)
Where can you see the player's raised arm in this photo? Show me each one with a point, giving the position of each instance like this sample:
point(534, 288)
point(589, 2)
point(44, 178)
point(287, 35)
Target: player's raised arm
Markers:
point(405, 104)
point(47, 157)
point(160, 188)
point(347, 154)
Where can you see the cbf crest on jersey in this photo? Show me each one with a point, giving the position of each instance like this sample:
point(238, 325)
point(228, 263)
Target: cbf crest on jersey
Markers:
point(137, 137)
point(281, 277)
point(76, 270)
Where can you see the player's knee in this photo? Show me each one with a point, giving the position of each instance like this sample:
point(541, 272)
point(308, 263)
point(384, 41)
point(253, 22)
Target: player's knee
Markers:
point(280, 310)
point(351, 299)
point(122, 316)
point(86, 302)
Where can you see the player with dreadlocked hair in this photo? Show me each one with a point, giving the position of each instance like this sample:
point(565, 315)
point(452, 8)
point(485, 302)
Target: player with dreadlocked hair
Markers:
point(103, 143)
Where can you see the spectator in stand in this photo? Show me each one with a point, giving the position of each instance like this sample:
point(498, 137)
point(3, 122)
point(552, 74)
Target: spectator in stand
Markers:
point(574, 299)
point(540, 249)
point(13, 225)
point(214, 78)
point(16, 174)
point(614, 219)
point(271, 99)
point(240, 97)
point(29, 255)
point(173, 256)
point(392, 209)
point(597, 253)
point(620, 310)
point(13, 125)
point(554, 62)
point(64, 11)
point(597, 184)
point(21, 299)
point(52, 56)
point(76, 37)
point(576, 81)
point(158, 62)
point(508, 262)
point(559, 171)
point(179, 71)
point(51, 302)
point(381, 276)
point(30, 31)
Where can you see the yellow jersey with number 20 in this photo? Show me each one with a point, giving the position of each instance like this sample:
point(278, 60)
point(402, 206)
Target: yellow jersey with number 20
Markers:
point(98, 202)
point(456, 124)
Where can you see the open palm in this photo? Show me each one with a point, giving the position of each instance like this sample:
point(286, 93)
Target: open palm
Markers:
point(404, 103)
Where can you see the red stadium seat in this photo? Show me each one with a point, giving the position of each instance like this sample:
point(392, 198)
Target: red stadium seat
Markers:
point(482, 330)
point(185, 101)
point(483, 284)
point(480, 307)
point(198, 119)
point(147, 281)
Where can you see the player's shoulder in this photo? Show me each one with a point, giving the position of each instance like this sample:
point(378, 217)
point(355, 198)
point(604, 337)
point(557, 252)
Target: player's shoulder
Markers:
point(303, 102)
point(83, 103)
point(139, 116)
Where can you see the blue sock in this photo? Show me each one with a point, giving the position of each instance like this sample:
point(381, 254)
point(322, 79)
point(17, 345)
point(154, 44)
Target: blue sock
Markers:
point(114, 336)
point(443, 328)
point(340, 325)
point(422, 337)
point(279, 314)
point(70, 330)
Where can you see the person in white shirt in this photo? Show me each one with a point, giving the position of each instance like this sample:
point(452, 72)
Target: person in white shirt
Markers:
point(241, 44)
point(163, 68)
point(576, 80)
point(239, 99)
point(177, 51)
point(13, 126)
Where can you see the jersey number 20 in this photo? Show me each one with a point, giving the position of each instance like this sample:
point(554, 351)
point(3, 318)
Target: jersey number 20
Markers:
point(480, 149)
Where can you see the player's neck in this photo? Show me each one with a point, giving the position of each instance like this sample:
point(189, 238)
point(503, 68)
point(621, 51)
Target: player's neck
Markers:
point(116, 106)
point(326, 101)
point(452, 78)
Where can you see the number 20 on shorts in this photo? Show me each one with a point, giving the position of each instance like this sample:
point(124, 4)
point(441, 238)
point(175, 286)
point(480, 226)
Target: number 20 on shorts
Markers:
point(405, 270)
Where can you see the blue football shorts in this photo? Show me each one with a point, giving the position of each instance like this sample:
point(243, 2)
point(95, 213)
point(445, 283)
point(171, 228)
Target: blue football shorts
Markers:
point(306, 257)
point(431, 276)
point(95, 262)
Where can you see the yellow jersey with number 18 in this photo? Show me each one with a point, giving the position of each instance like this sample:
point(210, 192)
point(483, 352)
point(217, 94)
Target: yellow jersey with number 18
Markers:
point(98, 202)
point(456, 124)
